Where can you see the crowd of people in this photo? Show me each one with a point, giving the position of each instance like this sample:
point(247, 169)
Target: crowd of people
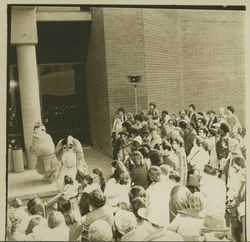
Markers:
point(174, 178)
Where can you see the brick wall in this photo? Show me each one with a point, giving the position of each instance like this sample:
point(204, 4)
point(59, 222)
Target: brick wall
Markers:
point(96, 80)
point(183, 57)
point(163, 58)
point(213, 59)
point(124, 45)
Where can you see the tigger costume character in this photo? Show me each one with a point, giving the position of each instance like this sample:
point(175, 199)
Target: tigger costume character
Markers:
point(44, 149)
point(70, 154)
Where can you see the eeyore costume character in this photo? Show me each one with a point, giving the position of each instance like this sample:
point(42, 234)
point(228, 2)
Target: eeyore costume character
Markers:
point(44, 149)
point(70, 154)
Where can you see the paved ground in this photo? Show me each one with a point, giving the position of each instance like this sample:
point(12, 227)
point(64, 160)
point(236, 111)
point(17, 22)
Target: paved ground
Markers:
point(28, 184)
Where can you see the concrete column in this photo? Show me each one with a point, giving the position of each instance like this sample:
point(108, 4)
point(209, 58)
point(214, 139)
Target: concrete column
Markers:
point(29, 94)
point(24, 37)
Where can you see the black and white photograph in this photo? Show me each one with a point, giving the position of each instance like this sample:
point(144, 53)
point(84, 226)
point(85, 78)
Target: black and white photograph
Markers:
point(124, 122)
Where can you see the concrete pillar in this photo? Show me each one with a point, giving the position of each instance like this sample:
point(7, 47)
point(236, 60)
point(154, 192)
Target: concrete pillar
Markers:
point(29, 94)
point(24, 37)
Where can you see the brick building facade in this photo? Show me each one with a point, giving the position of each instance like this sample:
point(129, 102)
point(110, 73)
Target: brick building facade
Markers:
point(183, 56)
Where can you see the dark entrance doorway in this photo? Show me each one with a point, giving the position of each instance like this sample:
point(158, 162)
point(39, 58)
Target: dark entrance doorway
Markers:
point(61, 55)
point(64, 101)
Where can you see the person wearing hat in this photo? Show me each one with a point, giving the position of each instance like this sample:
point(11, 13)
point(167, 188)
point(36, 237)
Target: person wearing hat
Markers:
point(216, 198)
point(188, 222)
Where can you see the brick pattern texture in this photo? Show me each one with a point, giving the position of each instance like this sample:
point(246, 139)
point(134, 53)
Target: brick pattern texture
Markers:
point(183, 57)
point(213, 59)
point(163, 59)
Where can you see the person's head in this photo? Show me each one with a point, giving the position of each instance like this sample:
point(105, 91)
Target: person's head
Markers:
point(155, 173)
point(124, 177)
point(155, 157)
point(177, 142)
point(79, 176)
point(166, 170)
point(144, 151)
point(68, 180)
point(121, 111)
point(211, 114)
point(191, 107)
point(97, 199)
point(100, 230)
point(137, 191)
point(152, 105)
point(126, 126)
point(198, 141)
point(182, 114)
point(164, 113)
point(201, 122)
point(56, 219)
point(203, 132)
point(138, 119)
point(154, 134)
point(239, 162)
point(183, 124)
point(87, 180)
point(233, 145)
point(71, 217)
point(137, 203)
point(137, 158)
point(97, 172)
point(229, 110)
point(13, 219)
point(223, 129)
point(34, 221)
point(63, 205)
point(174, 177)
point(35, 206)
point(125, 221)
point(197, 201)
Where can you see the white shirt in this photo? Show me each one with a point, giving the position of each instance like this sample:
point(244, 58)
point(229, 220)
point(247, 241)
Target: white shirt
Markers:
point(198, 158)
point(214, 189)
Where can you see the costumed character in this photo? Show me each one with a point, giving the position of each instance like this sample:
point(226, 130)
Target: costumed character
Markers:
point(44, 149)
point(70, 154)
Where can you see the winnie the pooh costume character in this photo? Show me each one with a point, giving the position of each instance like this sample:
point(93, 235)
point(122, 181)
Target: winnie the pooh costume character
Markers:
point(70, 154)
point(44, 149)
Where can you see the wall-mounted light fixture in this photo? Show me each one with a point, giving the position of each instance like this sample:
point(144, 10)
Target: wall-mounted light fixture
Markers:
point(135, 80)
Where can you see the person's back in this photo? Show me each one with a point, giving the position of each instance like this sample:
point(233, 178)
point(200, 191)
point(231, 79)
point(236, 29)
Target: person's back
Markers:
point(139, 175)
point(215, 190)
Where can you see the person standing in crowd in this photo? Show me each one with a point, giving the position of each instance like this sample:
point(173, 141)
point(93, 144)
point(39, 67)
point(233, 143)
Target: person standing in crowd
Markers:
point(216, 198)
point(198, 156)
point(177, 145)
point(192, 114)
point(120, 118)
point(169, 157)
point(153, 111)
point(189, 137)
point(156, 139)
point(222, 144)
point(232, 119)
point(212, 119)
